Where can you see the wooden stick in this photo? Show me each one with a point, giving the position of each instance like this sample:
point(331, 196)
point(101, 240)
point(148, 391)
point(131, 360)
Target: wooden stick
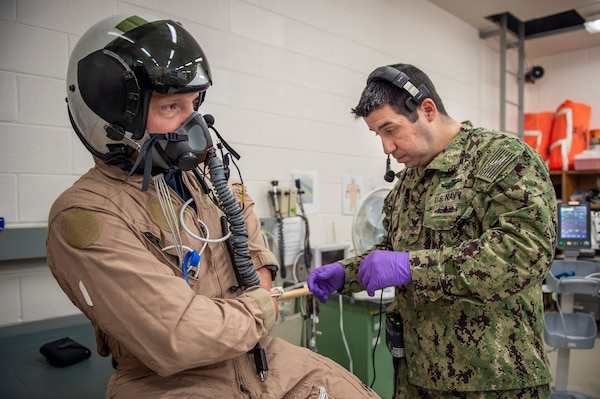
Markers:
point(295, 293)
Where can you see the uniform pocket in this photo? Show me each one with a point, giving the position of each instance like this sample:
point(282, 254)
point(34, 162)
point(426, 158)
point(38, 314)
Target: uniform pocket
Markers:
point(452, 212)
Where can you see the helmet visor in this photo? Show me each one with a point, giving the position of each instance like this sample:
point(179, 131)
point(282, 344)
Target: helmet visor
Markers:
point(165, 57)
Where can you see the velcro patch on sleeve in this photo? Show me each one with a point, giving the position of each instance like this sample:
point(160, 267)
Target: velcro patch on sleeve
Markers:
point(80, 227)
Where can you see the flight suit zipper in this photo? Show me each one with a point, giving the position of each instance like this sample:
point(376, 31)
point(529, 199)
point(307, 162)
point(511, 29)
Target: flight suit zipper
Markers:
point(238, 376)
point(245, 390)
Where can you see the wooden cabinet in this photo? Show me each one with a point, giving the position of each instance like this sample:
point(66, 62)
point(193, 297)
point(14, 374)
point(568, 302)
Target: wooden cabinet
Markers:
point(567, 182)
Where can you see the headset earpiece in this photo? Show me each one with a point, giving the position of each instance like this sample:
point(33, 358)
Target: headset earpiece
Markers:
point(401, 80)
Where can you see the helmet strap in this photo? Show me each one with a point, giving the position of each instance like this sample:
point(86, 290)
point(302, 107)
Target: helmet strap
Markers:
point(146, 154)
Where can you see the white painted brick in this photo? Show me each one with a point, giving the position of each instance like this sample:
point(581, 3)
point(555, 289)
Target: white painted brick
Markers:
point(297, 10)
point(309, 41)
point(143, 7)
point(330, 197)
point(283, 65)
point(341, 109)
point(42, 101)
point(8, 103)
point(213, 13)
point(238, 54)
point(279, 131)
point(8, 9)
point(258, 128)
point(64, 15)
point(257, 24)
point(361, 25)
point(341, 140)
point(135, 5)
point(308, 104)
point(33, 50)
point(338, 80)
point(10, 305)
point(356, 57)
point(31, 149)
point(8, 197)
point(34, 207)
point(42, 298)
point(362, 21)
point(81, 158)
point(256, 93)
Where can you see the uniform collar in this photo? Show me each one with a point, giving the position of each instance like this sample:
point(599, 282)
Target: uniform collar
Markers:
point(449, 158)
point(117, 173)
point(136, 179)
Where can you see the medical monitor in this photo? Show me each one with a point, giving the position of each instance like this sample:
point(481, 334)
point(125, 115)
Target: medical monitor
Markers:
point(330, 253)
point(574, 229)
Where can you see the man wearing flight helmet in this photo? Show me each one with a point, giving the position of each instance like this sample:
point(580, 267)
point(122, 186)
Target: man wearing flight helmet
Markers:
point(166, 258)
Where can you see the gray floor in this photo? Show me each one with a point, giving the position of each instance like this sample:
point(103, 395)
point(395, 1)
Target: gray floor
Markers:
point(24, 373)
point(584, 369)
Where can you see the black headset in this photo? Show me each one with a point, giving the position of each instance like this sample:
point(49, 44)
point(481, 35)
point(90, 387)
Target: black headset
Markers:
point(401, 80)
point(416, 97)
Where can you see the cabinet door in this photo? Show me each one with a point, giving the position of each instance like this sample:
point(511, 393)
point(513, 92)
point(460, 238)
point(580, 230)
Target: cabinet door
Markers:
point(361, 329)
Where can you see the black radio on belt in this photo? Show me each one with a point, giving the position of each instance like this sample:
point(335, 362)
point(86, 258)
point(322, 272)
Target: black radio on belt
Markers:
point(393, 335)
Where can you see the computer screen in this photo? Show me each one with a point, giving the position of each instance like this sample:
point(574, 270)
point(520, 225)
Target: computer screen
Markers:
point(574, 227)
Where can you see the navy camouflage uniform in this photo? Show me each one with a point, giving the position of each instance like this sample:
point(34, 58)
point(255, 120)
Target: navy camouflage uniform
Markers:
point(480, 225)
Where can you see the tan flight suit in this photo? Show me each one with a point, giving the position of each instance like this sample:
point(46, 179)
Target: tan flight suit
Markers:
point(168, 339)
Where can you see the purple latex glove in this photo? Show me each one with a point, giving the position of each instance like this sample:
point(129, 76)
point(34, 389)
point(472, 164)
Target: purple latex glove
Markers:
point(326, 279)
point(382, 269)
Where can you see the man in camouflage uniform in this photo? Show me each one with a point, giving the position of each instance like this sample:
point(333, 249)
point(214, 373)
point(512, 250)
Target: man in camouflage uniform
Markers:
point(471, 228)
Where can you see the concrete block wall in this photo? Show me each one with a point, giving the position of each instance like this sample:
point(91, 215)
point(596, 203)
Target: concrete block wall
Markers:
point(286, 74)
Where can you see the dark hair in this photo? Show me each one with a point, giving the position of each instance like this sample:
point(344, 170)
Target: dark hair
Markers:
point(379, 92)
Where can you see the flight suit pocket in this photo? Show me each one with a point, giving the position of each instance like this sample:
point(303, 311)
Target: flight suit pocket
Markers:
point(161, 245)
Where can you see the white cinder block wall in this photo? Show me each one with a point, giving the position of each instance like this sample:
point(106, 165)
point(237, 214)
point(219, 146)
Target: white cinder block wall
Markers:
point(572, 76)
point(286, 74)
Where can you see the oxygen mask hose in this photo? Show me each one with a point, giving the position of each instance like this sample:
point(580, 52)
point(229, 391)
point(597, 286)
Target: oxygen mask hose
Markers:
point(239, 235)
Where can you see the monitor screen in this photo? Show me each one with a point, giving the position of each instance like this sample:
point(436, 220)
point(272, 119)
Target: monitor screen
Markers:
point(574, 226)
point(330, 253)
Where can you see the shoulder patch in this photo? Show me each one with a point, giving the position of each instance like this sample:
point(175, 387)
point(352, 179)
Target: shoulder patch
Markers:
point(80, 227)
point(496, 163)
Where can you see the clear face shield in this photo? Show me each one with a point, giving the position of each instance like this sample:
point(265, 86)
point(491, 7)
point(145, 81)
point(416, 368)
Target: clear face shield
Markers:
point(165, 59)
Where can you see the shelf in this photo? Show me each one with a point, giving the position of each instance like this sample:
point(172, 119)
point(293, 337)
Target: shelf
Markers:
point(572, 276)
point(570, 330)
point(566, 182)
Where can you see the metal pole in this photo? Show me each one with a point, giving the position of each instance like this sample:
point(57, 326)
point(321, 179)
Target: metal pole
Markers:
point(503, 24)
point(521, 80)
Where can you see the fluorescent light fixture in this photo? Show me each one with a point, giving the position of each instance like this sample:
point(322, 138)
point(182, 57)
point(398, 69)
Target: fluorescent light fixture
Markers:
point(593, 24)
